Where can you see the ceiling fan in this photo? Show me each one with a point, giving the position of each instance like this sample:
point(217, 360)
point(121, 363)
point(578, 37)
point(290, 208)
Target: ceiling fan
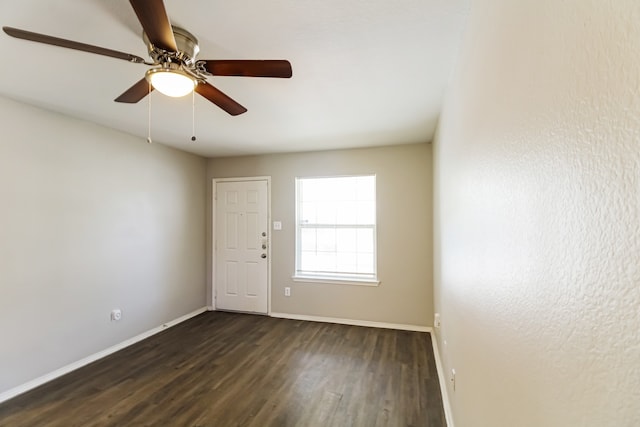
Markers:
point(174, 71)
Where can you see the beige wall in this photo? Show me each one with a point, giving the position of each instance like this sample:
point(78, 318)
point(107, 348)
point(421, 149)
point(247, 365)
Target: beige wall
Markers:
point(537, 201)
point(404, 231)
point(91, 219)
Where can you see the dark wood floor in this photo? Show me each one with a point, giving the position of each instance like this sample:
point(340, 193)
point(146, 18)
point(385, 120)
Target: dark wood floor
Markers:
point(226, 369)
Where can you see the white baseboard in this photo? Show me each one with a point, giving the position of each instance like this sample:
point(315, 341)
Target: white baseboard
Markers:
point(446, 403)
point(92, 358)
point(353, 322)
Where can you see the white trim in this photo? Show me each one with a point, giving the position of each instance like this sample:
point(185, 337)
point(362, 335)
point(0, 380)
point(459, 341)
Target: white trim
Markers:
point(214, 198)
point(446, 403)
point(244, 178)
point(336, 281)
point(92, 358)
point(353, 322)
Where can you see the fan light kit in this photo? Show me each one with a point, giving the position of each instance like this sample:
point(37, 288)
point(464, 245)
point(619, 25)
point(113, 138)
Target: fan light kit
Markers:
point(173, 50)
point(170, 82)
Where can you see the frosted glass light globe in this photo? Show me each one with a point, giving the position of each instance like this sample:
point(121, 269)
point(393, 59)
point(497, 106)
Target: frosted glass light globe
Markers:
point(171, 82)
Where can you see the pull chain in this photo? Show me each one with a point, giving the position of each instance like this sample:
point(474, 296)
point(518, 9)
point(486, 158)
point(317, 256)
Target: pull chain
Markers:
point(149, 116)
point(193, 115)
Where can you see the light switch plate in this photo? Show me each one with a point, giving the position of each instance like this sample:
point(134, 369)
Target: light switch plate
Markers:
point(277, 225)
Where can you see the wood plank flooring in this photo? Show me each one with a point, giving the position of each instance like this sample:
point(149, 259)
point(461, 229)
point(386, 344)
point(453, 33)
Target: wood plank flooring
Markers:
point(228, 369)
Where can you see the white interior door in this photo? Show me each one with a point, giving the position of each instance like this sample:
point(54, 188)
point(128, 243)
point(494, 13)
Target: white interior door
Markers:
point(242, 239)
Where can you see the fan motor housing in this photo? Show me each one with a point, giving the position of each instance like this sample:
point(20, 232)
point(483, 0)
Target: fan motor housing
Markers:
point(186, 42)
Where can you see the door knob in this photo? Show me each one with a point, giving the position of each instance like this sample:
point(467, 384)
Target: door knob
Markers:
point(263, 256)
point(264, 246)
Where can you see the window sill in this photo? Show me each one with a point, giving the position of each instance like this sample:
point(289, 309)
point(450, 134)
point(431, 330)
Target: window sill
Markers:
point(335, 280)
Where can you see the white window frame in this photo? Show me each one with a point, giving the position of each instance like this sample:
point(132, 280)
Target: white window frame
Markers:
point(334, 278)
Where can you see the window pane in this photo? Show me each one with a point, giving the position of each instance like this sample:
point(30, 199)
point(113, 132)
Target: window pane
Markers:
point(366, 213)
point(310, 190)
point(347, 189)
point(308, 239)
point(365, 240)
point(326, 261)
point(365, 263)
point(366, 188)
point(347, 213)
point(308, 213)
point(308, 261)
point(347, 240)
point(326, 240)
point(327, 212)
point(336, 225)
point(347, 262)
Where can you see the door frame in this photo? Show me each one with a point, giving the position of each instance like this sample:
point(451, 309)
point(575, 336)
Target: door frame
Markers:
point(214, 206)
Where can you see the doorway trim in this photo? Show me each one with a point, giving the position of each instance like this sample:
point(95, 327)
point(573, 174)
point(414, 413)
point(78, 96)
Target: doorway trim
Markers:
point(214, 206)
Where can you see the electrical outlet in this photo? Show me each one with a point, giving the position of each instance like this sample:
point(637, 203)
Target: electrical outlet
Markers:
point(453, 379)
point(116, 314)
point(287, 291)
point(436, 320)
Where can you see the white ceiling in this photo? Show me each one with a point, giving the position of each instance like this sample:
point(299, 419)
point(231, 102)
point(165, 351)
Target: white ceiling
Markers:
point(365, 72)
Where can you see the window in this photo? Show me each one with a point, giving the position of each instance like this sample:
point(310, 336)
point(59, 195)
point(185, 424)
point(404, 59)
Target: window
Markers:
point(336, 229)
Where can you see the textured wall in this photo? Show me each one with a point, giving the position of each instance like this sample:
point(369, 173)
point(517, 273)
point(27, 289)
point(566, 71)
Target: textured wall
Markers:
point(90, 220)
point(537, 247)
point(404, 240)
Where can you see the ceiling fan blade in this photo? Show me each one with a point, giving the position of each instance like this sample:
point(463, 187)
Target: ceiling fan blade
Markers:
point(248, 68)
point(70, 44)
point(136, 92)
point(155, 22)
point(220, 99)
